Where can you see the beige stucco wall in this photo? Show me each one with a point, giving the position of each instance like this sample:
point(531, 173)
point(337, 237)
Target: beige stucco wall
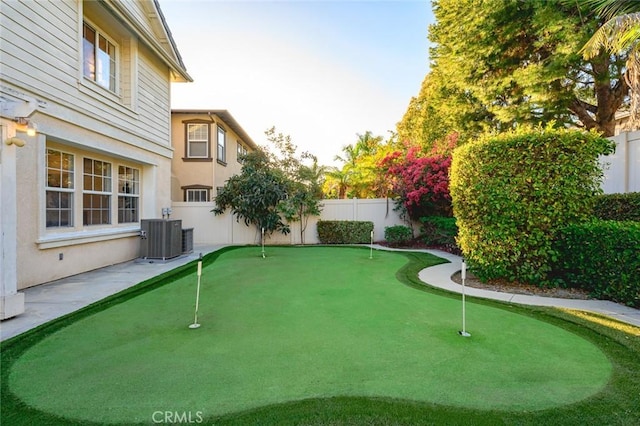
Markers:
point(83, 247)
point(208, 172)
point(129, 127)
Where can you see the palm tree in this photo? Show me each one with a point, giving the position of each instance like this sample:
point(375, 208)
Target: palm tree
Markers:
point(620, 34)
point(338, 179)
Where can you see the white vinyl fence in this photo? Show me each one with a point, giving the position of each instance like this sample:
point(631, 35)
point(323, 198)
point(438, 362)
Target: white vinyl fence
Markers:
point(224, 229)
point(622, 169)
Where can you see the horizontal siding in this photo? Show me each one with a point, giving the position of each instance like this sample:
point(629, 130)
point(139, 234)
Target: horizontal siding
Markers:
point(136, 9)
point(43, 59)
point(154, 99)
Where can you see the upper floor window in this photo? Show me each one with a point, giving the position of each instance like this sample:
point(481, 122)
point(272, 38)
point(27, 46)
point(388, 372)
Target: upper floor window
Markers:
point(99, 57)
point(242, 151)
point(222, 145)
point(59, 192)
point(198, 140)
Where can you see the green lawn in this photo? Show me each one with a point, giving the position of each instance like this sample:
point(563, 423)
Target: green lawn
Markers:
point(320, 335)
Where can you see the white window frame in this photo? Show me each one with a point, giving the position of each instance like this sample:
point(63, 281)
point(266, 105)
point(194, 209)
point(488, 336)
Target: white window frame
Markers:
point(221, 143)
point(242, 150)
point(60, 189)
point(128, 194)
point(190, 140)
point(196, 195)
point(98, 60)
point(104, 193)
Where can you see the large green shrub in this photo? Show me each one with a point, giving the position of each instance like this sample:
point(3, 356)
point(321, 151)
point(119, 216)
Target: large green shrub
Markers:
point(602, 257)
point(513, 192)
point(617, 206)
point(344, 231)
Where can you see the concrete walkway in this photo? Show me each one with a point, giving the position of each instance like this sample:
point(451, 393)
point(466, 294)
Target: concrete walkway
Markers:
point(440, 276)
point(57, 298)
point(48, 301)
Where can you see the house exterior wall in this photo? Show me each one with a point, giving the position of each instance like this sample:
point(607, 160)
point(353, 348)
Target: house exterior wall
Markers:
point(42, 73)
point(205, 172)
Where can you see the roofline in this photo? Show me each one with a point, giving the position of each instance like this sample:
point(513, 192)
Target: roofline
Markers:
point(226, 118)
point(172, 41)
point(173, 58)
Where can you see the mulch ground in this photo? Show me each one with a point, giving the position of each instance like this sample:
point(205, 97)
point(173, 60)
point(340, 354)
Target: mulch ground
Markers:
point(503, 285)
point(520, 288)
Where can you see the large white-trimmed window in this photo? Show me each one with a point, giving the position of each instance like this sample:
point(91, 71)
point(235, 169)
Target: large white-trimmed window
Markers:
point(99, 57)
point(96, 194)
point(198, 140)
point(222, 145)
point(59, 189)
point(128, 194)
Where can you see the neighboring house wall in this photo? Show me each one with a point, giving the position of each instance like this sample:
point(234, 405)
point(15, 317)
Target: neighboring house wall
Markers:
point(101, 159)
point(206, 149)
point(622, 169)
point(225, 229)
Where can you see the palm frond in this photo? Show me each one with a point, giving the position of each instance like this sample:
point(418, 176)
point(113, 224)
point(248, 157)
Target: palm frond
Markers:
point(619, 34)
point(608, 9)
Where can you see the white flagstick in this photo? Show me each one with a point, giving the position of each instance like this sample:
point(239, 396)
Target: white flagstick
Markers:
point(463, 274)
point(371, 248)
point(195, 320)
point(263, 256)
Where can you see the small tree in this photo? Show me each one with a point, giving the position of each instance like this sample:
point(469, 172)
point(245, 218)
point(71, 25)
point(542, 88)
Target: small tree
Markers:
point(274, 187)
point(255, 193)
point(304, 195)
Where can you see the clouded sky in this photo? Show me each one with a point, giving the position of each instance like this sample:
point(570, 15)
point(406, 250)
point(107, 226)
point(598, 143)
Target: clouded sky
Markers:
point(319, 71)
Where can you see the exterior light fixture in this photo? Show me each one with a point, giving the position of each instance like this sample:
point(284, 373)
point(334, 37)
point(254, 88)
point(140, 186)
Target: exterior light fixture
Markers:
point(14, 141)
point(32, 128)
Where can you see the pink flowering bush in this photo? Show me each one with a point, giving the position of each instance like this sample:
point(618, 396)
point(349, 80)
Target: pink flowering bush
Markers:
point(422, 183)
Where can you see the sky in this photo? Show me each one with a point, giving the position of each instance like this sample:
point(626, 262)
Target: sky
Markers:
point(319, 71)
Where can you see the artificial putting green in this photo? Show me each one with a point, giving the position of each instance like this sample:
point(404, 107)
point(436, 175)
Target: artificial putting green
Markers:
point(303, 323)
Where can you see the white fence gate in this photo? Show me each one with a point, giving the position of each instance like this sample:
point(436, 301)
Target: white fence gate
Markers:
point(224, 229)
point(622, 169)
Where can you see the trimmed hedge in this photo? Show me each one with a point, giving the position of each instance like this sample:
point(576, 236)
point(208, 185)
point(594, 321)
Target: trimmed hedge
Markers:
point(398, 234)
point(513, 192)
point(439, 230)
point(344, 231)
point(618, 206)
point(602, 257)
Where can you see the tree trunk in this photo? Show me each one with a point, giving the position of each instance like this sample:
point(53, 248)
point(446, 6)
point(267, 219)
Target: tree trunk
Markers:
point(609, 98)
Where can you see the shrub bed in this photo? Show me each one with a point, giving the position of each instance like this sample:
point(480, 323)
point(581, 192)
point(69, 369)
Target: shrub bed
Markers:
point(602, 257)
point(439, 230)
point(344, 231)
point(617, 206)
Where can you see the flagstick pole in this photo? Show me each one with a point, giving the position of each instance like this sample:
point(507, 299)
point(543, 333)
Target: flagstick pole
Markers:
point(263, 256)
point(371, 247)
point(463, 274)
point(195, 319)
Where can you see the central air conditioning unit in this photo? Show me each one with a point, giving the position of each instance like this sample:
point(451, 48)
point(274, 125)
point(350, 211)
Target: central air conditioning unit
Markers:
point(161, 238)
